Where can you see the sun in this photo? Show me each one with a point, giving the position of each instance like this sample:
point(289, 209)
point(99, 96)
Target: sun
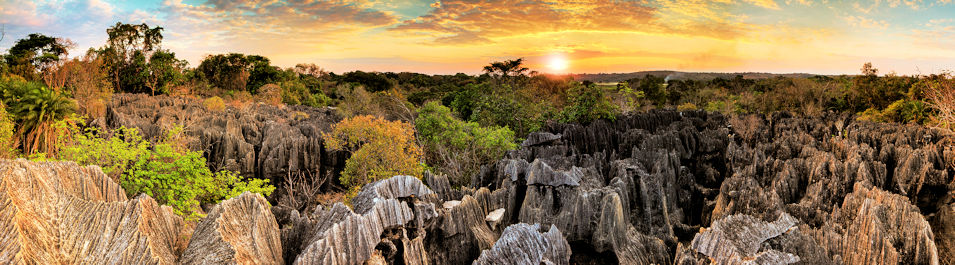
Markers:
point(557, 63)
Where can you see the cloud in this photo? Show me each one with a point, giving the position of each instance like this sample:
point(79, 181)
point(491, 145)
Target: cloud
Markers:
point(464, 21)
point(863, 22)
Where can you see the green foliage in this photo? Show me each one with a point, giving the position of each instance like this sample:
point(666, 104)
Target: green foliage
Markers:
point(7, 148)
point(459, 148)
point(35, 109)
point(214, 104)
point(297, 93)
point(587, 103)
point(901, 111)
point(373, 82)
point(35, 53)
point(176, 177)
point(379, 149)
point(239, 72)
point(130, 53)
point(631, 98)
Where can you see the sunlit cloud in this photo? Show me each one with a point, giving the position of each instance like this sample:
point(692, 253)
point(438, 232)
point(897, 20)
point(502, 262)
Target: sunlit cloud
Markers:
point(449, 36)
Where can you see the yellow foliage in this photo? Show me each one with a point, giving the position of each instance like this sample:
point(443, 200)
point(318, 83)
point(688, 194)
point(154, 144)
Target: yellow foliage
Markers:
point(379, 149)
point(214, 104)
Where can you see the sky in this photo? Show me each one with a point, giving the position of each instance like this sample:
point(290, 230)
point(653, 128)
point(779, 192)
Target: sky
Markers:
point(586, 36)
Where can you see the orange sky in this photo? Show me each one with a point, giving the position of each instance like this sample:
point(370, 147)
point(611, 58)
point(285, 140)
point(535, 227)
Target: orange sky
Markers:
point(816, 36)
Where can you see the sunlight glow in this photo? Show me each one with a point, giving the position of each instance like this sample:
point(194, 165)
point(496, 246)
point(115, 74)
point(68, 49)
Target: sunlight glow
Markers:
point(557, 63)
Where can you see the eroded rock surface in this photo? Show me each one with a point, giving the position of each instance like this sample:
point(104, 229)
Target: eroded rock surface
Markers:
point(524, 244)
point(256, 140)
point(61, 213)
point(239, 230)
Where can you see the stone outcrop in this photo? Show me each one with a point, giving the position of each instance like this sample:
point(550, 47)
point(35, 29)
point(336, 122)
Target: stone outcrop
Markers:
point(240, 230)
point(663, 187)
point(257, 140)
point(681, 187)
point(61, 213)
point(524, 244)
point(737, 239)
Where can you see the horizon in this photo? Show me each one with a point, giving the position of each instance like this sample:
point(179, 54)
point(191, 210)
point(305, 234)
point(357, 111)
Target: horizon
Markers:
point(586, 37)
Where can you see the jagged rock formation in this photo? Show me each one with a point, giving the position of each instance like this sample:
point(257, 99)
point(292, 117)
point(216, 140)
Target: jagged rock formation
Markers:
point(639, 190)
point(662, 187)
point(524, 244)
point(61, 213)
point(737, 239)
point(257, 140)
point(240, 230)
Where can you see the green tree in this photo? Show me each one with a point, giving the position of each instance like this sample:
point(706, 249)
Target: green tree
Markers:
point(129, 48)
point(7, 144)
point(30, 56)
point(225, 71)
point(36, 110)
point(588, 103)
point(163, 70)
point(459, 148)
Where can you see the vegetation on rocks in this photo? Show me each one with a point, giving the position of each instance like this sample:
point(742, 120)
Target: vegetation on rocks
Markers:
point(164, 170)
point(379, 149)
point(459, 148)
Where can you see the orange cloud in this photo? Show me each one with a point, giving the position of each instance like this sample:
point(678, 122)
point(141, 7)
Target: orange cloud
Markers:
point(462, 21)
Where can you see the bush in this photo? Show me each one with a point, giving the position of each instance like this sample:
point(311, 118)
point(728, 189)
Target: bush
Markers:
point(7, 144)
point(687, 106)
point(379, 149)
point(588, 103)
point(270, 94)
point(214, 104)
point(37, 109)
point(459, 148)
point(176, 177)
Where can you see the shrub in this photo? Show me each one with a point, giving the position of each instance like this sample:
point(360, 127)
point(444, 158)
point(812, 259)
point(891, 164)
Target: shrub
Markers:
point(687, 106)
point(7, 144)
point(214, 104)
point(459, 148)
point(176, 177)
point(940, 95)
point(37, 109)
point(379, 149)
point(270, 94)
point(631, 98)
point(588, 103)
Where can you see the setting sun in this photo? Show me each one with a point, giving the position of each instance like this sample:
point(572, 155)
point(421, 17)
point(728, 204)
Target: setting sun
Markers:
point(557, 63)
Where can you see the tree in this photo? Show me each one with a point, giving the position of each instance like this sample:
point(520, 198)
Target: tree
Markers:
point(239, 72)
point(379, 149)
point(507, 68)
point(588, 103)
point(37, 110)
point(88, 82)
point(459, 148)
point(163, 70)
point(35, 54)
point(128, 51)
point(310, 69)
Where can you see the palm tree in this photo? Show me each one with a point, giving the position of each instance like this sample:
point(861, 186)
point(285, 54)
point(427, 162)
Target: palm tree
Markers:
point(36, 109)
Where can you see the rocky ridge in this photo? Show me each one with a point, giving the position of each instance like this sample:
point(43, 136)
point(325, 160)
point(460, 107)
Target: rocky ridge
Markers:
point(663, 187)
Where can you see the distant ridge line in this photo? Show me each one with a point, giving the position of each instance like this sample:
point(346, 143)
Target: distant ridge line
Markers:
point(677, 75)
